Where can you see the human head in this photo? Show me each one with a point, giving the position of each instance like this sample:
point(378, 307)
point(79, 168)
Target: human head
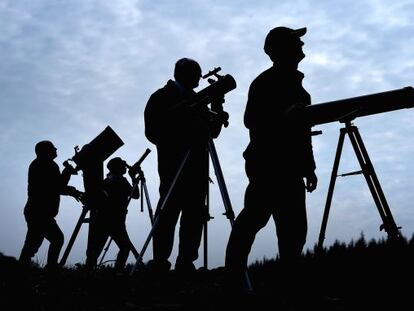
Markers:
point(117, 166)
point(45, 150)
point(283, 44)
point(187, 72)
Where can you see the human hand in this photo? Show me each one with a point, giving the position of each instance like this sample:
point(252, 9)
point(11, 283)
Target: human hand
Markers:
point(78, 195)
point(217, 103)
point(69, 169)
point(224, 118)
point(311, 182)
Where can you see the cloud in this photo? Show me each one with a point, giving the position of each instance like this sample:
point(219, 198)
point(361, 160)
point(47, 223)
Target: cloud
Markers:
point(70, 68)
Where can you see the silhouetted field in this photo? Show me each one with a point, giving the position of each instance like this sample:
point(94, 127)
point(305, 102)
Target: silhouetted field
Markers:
point(361, 275)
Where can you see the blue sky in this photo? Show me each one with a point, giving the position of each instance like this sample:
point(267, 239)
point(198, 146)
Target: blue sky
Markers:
point(70, 68)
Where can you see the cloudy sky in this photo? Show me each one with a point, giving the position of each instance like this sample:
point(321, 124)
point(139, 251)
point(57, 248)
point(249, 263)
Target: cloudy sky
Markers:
point(69, 68)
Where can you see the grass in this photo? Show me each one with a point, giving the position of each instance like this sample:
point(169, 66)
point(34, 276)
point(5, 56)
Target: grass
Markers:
point(359, 275)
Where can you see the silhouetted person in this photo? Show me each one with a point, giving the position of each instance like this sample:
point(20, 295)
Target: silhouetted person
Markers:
point(45, 185)
point(278, 157)
point(175, 128)
point(110, 219)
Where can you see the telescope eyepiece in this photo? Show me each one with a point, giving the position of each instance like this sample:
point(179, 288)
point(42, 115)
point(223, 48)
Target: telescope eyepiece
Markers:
point(213, 72)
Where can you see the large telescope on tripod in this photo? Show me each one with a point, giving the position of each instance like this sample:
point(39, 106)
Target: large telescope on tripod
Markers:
point(345, 111)
point(89, 159)
point(348, 109)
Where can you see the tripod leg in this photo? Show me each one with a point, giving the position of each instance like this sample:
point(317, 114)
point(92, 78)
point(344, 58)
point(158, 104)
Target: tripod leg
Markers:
point(373, 183)
point(225, 196)
point(334, 174)
point(105, 251)
point(150, 212)
point(205, 225)
point(156, 221)
point(144, 192)
point(81, 220)
point(220, 180)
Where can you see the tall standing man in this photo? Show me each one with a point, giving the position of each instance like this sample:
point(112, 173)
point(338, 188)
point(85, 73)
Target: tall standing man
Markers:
point(278, 158)
point(175, 127)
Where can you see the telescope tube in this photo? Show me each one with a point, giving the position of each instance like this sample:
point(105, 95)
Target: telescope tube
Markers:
point(350, 108)
point(217, 89)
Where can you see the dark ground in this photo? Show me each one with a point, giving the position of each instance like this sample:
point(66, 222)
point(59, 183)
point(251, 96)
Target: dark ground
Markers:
point(360, 276)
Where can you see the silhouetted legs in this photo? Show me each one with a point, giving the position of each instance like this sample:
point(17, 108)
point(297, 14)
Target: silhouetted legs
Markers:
point(291, 221)
point(286, 203)
point(163, 239)
point(190, 231)
point(253, 217)
point(191, 227)
point(37, 230)
point(98, 235)
point(109, 226)
point(120, 236)
point(188, 198)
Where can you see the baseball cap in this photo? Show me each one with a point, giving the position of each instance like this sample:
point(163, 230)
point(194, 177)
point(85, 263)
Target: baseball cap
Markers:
point(281, 35)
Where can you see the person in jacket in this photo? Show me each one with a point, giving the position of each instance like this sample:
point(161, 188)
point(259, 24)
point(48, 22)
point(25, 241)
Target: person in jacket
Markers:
point(176, 128)
point(279, 159)
point(45, 186)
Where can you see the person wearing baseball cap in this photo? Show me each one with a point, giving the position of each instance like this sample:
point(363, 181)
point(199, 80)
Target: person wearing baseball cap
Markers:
point(279, 160)
point(110, 222)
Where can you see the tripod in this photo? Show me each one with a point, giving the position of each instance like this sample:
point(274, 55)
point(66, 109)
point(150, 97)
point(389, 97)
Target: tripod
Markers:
point(229, 213)
point(144, 193)
point(91, 174)
point(367, 169)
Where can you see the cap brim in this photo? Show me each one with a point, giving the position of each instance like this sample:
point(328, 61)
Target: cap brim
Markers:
point(299, 32)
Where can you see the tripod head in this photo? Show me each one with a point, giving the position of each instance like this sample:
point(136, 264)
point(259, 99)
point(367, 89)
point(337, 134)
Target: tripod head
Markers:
point(348, 109)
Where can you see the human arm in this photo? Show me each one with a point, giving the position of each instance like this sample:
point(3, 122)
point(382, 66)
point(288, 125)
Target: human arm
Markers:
point(73, 192)
point(134, 189)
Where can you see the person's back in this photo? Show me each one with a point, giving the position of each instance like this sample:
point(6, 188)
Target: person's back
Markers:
point(167, 124)
point(117, 191)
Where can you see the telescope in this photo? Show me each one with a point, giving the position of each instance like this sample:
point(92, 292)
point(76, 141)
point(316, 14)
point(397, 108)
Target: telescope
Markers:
point(97, 150)
point(216, 90)
point(135, 168)
point(345, 111)
point(348, 109)
point(90, 160)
